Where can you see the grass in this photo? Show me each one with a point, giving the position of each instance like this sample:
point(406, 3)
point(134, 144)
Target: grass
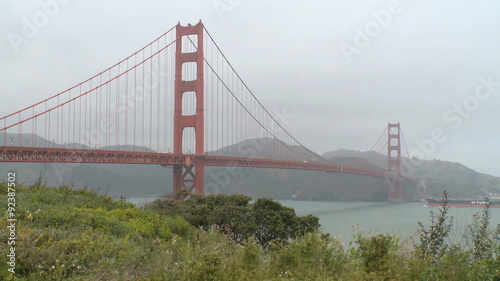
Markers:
point(67, 234)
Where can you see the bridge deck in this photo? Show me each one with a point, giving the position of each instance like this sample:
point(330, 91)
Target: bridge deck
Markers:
point(66, 155)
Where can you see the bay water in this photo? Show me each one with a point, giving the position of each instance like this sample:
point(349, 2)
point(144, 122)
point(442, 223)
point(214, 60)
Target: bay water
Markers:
point(344, 219)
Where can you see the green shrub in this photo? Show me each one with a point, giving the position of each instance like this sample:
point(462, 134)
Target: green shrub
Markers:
point(69, 234)
point(265, 220)
point(311, 257)
point(434, 241)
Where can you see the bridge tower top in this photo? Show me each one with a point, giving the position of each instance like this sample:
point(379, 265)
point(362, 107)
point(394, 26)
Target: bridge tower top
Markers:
point(394, 162)
point(189, 50)
point(394, 149)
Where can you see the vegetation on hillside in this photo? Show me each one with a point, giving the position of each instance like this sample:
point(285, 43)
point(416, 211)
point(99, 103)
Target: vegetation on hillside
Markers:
point(67, 234)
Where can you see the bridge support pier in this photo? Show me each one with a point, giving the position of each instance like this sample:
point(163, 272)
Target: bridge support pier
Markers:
point(189, 179)
point(394, 189)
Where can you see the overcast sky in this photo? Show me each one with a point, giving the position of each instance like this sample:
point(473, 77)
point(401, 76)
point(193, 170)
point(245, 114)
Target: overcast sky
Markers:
point(343, 68)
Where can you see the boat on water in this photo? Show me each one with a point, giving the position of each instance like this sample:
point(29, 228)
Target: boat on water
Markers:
point(463, 203)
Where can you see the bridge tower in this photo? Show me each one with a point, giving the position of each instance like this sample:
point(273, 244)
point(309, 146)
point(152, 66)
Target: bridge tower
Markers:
point(189, 176)
point(395, 192)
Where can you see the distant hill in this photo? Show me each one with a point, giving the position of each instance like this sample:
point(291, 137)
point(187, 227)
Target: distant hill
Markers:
point(154, 180)
point(266, 148)
point(457, 179)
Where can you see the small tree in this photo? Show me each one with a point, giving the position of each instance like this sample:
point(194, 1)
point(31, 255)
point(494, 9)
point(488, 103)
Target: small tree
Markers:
point(432, 243)
point(483, 240)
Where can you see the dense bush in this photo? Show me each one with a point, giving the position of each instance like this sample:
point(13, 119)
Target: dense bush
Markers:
point(265, 220)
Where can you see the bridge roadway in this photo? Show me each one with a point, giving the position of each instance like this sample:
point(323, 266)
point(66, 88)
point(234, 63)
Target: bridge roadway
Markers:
point(68, 155)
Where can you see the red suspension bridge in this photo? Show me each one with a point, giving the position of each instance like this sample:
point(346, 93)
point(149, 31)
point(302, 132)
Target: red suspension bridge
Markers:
point(177, 101)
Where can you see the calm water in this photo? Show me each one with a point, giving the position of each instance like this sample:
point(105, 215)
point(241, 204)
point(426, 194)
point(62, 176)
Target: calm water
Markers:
point(341, 219)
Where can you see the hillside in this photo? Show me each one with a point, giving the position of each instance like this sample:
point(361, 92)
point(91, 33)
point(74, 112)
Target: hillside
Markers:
point(66, 234)
point(154, 180)
point(459, 180)
point(265, 148)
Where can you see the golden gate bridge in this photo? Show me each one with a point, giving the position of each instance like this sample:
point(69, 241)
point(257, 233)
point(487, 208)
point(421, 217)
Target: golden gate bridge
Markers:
point(177, 101)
